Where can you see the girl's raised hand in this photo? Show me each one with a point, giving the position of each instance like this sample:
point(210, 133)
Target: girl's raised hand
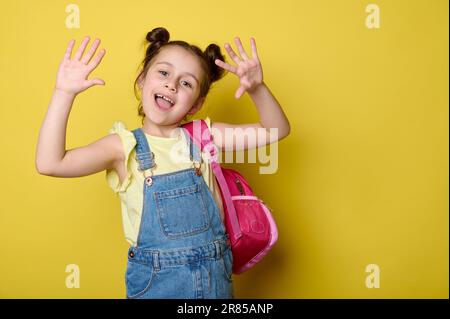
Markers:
point(248, 70)
point(73, 72)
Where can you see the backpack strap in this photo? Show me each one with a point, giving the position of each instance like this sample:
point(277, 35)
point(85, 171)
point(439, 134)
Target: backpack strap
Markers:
point(199, 132)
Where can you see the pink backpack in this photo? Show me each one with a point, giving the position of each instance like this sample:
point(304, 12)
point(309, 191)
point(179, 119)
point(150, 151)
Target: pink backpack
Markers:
point(248, 220)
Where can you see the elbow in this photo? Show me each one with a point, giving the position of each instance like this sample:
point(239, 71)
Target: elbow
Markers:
point(285, 132)
point(43, 169)
point(288, 131)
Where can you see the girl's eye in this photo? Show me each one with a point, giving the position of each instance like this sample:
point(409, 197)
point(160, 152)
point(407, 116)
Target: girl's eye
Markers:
point(188, 84)
point(162, 72)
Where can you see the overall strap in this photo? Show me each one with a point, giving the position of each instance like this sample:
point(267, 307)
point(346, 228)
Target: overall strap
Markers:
point(144, 155)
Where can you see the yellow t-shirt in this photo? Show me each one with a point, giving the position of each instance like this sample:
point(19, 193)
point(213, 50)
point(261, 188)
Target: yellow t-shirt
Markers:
point(132, 188)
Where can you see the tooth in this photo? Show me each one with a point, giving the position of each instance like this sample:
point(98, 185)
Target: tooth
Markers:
point(165, 98)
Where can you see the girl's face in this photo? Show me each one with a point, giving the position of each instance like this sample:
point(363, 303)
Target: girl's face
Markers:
point(176, 74)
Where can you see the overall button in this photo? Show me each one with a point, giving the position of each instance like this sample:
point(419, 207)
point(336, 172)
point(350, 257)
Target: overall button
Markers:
point(148, 181)
point(131, 254)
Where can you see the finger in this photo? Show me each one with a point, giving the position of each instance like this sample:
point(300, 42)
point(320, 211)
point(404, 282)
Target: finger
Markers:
point(89, 83)
point(239, 92)
point(87, 57)
point(240, 48)
point(254, 52)
point(95, 81)
point(231, 53)
point(69, 50)
point(96, 60)
point(226, 66)
point(80, 50)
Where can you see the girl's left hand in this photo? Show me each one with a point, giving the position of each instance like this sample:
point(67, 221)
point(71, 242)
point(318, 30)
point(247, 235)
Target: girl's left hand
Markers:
point(248, 70)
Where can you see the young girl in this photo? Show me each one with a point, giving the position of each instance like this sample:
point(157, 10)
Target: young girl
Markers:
point(172, 212)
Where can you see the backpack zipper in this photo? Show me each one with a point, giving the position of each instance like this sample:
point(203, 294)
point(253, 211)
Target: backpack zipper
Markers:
point(239, 186)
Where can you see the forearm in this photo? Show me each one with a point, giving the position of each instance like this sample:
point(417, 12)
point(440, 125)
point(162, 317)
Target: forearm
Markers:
point(270, 112)
point(51, 145)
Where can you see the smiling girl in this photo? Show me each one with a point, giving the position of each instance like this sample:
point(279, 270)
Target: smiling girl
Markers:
point(171, 210)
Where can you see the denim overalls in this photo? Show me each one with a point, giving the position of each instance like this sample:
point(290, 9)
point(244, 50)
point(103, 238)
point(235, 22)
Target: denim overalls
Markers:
point(183, 250)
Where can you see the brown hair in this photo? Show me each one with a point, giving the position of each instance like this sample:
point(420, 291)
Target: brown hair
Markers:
point(159, 38)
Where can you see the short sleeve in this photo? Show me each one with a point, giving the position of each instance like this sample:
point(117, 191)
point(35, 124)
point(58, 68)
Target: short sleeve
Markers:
point(128, 144)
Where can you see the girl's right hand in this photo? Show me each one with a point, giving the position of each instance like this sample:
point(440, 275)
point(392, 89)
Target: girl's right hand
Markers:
point(72, 73)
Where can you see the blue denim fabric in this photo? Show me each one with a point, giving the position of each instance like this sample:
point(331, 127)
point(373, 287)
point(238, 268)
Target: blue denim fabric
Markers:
point(183, 250)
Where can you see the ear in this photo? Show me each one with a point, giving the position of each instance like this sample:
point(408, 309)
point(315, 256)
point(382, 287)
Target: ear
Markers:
point(197, 106)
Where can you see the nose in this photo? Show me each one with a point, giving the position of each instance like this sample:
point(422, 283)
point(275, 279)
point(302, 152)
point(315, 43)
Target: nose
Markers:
point(170, 87)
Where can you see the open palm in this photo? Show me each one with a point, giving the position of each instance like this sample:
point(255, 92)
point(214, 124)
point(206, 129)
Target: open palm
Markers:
point(73, 72)
point(248, 70)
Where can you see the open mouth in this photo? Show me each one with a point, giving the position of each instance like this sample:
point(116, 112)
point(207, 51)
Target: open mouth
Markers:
point(163, 102)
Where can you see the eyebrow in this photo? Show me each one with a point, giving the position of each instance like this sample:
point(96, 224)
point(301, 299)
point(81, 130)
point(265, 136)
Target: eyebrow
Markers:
point(163, 62)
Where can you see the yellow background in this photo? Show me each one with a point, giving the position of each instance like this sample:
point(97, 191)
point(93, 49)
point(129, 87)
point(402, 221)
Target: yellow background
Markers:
point(362, 178)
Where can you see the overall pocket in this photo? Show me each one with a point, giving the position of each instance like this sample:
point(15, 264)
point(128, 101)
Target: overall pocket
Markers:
point(138, 279)
point(182, 211)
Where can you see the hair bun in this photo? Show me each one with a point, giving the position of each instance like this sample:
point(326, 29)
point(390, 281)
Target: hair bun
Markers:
point(158, 35)
point(212, 52)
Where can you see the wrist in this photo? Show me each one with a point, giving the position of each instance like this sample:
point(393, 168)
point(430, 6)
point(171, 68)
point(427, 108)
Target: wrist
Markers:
point(256, 88)
point(63, 93)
